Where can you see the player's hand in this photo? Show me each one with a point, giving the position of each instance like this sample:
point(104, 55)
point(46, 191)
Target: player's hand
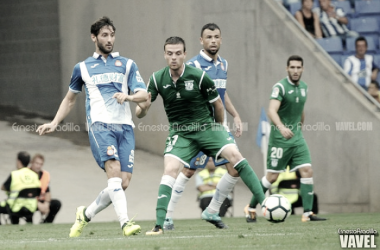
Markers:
point(238, 126)
point(46, 128)
point(286, 132)
point(121, 97)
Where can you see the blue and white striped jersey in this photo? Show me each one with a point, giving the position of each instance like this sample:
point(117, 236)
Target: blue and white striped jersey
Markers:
point(217, 72)
point(102, 78)
point(360, 70)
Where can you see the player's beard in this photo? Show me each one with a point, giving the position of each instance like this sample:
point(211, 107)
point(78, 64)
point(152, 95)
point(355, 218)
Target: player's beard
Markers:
point(293, 80)
point(212, 52)
point(104, 50)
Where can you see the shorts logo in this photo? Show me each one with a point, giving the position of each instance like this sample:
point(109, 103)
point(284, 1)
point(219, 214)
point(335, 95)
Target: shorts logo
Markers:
point(274, 162)
point(303, 92)
point(118, 63)
point(189, 85)
point(275, 92)
point(130, 166)
point(132, 157)
point(110, 151)
point(169, 148)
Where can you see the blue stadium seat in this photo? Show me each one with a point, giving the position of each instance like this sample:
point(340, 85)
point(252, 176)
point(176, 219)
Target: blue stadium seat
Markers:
point(345, 5)
point(332, 45)
point(377, 60)
point(365, 25)
point(294, 7)
point(350, 45)
point(367, 8)
point(337, 58)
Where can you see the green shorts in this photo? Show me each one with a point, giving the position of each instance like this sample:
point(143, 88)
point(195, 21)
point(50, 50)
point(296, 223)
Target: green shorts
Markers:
point(295, 157)
point(211, 140)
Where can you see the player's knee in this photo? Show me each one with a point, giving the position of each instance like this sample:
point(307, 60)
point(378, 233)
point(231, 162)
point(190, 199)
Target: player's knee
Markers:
point(188, 172)
point(306, 172)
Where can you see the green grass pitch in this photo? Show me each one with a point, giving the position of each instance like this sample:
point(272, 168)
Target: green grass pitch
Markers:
point(193, 234)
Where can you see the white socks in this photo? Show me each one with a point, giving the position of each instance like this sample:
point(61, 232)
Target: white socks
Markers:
point(177, 191)
point(223, 189)
point(102, 201)
point(118, 199)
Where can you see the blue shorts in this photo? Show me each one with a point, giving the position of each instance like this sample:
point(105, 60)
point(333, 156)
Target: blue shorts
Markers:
point(113, 141)
point(200, 160)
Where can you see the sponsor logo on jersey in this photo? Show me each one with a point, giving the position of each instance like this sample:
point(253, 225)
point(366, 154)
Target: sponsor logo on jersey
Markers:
point(118, 63)
point(166, 86)
point(290, 91)
point(110, 151)
point(303, 92)
point(220, 83)
point(189, 85)
point(275, 92)
point(107, 78)
point(93, 66)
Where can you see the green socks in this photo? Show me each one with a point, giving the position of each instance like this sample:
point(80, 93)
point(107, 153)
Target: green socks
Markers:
point(307, 195)
point(250, 179)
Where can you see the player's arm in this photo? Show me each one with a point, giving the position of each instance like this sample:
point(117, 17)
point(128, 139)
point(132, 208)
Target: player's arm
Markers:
point(66, 106)
point(232, 111)
point(374, 74)
point(143, 107)
point(140, 96)
point(218, 110)
point(274, 106)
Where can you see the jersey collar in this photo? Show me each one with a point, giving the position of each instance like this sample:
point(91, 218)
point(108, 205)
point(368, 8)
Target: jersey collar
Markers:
point(290, 82)
point(113, 55)
point(184, 67)
point(209, 59)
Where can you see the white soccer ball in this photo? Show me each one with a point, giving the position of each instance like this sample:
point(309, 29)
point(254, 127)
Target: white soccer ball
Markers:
point(276, 208)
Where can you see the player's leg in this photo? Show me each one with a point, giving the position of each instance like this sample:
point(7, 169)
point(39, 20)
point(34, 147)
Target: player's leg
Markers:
point(178, 152)
point(199, 161)
point(301, 160)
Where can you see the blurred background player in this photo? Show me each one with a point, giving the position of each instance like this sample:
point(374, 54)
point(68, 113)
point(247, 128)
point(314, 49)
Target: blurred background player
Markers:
point(108, 79)
point(206, 182)
point(287, 145)
point(216, 67)
point(47, 206)
point(18, 181)
point(195, 113)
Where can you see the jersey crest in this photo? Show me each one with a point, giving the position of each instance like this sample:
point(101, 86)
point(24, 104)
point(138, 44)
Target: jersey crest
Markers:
point(189, 85)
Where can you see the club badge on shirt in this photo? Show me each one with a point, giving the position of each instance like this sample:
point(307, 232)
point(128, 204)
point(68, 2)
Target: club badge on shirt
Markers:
point(118, 63)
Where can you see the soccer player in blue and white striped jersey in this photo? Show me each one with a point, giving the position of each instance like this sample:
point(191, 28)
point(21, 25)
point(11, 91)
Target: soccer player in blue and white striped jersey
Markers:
point(111, 82)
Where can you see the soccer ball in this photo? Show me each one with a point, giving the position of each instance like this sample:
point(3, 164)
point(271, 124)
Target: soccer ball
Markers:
point(276, 208)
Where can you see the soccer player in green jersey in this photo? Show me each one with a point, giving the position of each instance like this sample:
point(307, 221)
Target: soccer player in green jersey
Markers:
point(192, 103)
point(287, 145)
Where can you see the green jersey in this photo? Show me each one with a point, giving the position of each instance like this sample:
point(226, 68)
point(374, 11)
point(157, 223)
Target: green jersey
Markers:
point(187, 102)
point(292, 98)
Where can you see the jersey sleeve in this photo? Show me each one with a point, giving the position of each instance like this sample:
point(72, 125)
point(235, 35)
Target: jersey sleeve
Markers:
point(208, 88)
point(277, 92)
point(152, 88)
point(76, 81)
point(135, 81)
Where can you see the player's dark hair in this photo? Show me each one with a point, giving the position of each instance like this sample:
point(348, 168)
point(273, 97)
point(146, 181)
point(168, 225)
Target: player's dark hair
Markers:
point(24, 158)
point(361, 38)
point(103, 21)
point(305, 0)
point(175, 40)
point(210, 26)
point(295, 58)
